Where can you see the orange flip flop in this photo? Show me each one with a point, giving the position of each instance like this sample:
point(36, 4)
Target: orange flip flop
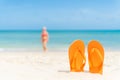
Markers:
point(95, 57)
point(77, 56)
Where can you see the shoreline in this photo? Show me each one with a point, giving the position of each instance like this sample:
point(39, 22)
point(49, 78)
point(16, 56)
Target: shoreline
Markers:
point(49, 50)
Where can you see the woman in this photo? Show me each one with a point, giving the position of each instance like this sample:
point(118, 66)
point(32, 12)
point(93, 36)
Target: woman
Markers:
point(44, 37)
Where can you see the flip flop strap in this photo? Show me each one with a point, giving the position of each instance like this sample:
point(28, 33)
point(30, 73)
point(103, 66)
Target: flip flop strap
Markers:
point(75, 57)
point(98, 52)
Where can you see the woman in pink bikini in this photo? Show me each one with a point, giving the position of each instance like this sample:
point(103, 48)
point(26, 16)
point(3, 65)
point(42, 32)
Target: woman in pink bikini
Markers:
point(44, 37)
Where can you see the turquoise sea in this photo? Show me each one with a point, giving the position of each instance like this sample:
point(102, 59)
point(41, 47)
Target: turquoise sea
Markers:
point(59, 40)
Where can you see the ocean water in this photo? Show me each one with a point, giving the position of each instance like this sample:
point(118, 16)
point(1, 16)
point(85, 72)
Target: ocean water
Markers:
point(59, 40)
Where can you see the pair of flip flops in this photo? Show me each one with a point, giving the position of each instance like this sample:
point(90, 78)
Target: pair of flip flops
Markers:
point(77, 57)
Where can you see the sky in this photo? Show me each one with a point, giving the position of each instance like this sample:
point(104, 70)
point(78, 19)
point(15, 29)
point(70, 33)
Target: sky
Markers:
point(59, 14)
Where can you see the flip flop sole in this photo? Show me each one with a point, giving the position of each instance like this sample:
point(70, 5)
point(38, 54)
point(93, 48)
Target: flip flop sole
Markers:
point(76, 56)
point(95, 57)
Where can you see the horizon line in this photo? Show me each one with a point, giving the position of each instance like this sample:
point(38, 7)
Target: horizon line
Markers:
point(60, 29)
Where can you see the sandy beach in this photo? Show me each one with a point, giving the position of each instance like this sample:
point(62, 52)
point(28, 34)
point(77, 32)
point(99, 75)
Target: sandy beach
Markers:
point(52, 66)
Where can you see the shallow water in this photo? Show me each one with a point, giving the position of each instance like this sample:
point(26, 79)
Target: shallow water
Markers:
point(59, 40)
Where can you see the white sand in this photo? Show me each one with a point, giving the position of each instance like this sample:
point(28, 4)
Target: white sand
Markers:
point(52, 66)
